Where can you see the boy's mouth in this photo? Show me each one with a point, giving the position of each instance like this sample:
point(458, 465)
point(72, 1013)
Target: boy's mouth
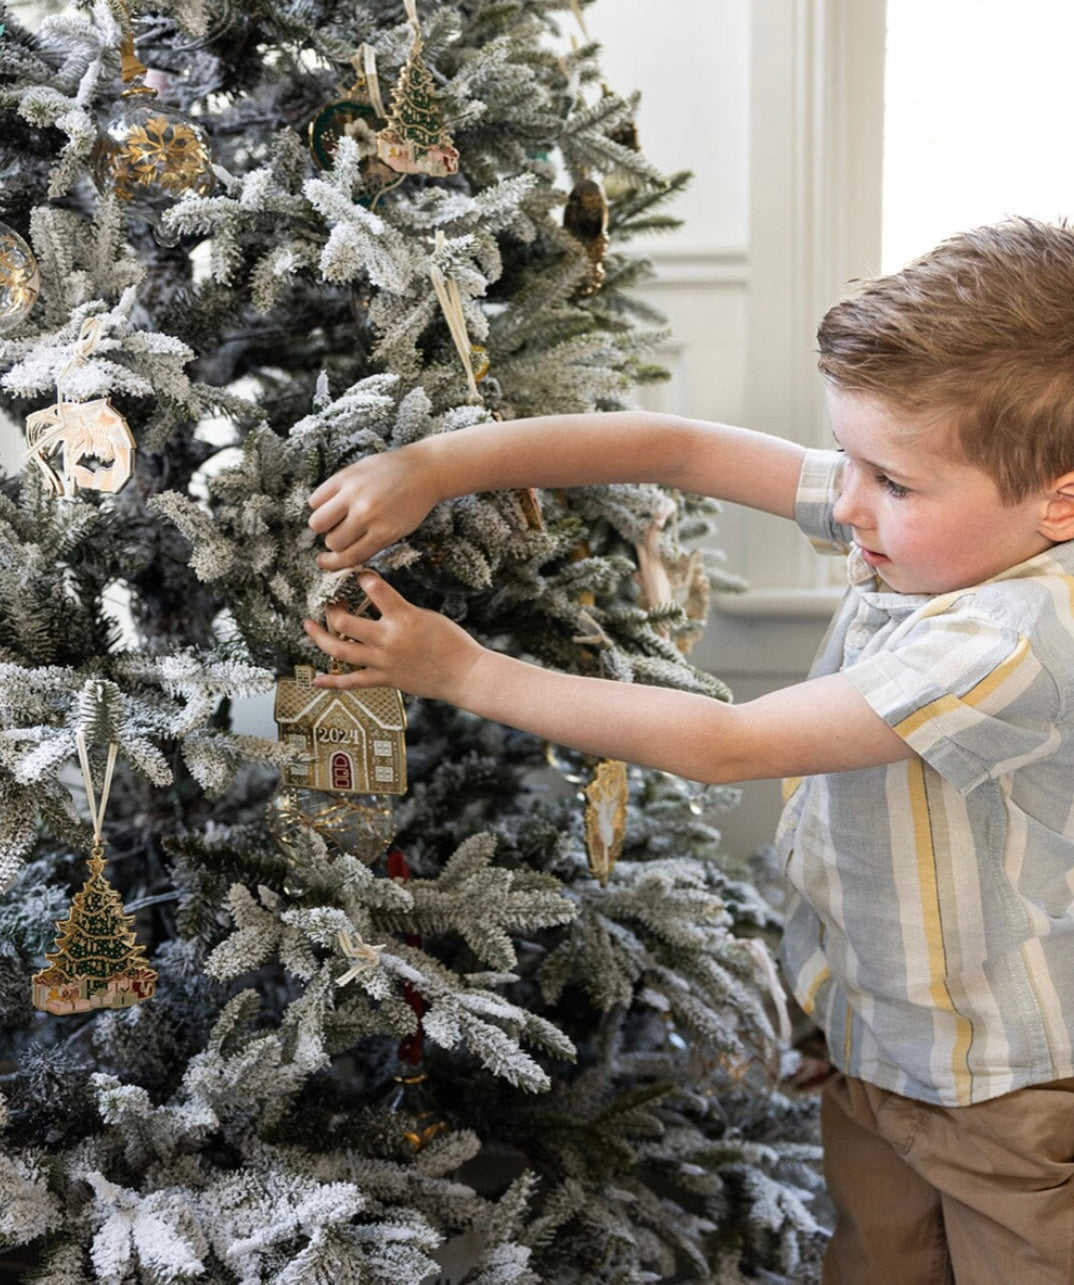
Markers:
point(871, 558)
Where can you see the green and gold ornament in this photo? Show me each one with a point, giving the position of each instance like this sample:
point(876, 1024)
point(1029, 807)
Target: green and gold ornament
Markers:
point(357, 114)
point(97, 961)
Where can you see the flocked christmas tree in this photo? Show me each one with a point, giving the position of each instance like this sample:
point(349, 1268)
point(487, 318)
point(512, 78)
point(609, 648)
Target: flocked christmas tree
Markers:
point(511, 1026)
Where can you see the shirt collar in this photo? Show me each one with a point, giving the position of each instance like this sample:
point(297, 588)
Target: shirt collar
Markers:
point(1058, 560)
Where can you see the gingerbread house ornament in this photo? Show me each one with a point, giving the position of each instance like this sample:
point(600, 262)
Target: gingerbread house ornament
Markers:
point(345, 742)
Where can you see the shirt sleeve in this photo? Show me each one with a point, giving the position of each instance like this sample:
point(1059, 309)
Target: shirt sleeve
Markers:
point(819, 484)
point(966, 693)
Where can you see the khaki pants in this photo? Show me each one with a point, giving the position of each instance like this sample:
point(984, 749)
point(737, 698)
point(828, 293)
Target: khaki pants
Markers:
point(926, 1195)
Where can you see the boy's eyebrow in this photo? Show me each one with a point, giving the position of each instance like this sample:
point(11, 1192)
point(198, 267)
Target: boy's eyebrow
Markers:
point(895, 474)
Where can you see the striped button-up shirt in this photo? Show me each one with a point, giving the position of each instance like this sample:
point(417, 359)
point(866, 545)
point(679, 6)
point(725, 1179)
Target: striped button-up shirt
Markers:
point(930, 930)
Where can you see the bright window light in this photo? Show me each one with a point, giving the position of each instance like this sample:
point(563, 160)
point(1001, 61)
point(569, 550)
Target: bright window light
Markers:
point(979, 100)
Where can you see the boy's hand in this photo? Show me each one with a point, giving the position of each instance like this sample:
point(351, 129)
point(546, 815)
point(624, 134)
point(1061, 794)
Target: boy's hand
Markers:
point(368, 505)
point(418, 651)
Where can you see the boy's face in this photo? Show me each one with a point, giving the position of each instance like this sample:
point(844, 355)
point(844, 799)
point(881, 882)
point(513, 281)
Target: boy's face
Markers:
point(924, 519)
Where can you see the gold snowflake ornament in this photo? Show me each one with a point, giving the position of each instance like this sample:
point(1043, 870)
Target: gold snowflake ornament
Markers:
point(148, 153)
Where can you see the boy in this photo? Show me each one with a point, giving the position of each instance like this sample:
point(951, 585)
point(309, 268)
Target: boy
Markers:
point(929, 832)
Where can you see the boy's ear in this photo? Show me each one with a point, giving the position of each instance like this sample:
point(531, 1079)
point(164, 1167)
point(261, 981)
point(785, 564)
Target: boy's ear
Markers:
point(1058, 522)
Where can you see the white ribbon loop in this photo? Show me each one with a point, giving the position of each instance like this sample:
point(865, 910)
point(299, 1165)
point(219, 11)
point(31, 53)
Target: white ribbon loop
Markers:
point(447, 291)
point(96, 809)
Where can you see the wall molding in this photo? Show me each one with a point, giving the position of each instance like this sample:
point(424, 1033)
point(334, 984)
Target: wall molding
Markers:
point(816, 172)
point(698, 265)
point(820, 602)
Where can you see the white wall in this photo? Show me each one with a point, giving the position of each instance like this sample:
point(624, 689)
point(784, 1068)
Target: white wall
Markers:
point(690, 60)
point(777, 106)
point(692, 69)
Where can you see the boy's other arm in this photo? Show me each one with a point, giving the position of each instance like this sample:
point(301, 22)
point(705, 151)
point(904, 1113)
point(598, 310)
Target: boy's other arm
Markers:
point(381, 498)
point(821, 725)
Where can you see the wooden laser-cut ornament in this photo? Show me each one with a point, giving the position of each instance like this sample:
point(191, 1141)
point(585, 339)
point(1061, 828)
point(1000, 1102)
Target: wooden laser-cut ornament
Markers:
point(81, 446)
point(529, 502)
point(678, 580)
point(348, 742)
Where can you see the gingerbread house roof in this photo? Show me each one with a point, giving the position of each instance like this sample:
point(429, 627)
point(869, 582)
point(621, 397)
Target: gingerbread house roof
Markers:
point(298, 701)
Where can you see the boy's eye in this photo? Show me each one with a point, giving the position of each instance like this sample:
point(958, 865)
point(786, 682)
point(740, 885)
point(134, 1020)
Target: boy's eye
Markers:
point(893, 488)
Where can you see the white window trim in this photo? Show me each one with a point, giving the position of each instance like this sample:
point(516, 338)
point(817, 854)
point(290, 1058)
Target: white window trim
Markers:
point(817, 125)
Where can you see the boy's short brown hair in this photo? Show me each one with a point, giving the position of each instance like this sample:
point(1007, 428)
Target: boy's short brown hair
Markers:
point(982, 327)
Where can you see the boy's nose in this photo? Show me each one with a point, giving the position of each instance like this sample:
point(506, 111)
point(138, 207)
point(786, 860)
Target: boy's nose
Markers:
point(848, 509)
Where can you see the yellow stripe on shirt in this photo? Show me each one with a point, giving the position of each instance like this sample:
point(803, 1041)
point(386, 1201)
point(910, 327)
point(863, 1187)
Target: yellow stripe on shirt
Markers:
point(977, 695)
point(808, 1001)
point(932, 923)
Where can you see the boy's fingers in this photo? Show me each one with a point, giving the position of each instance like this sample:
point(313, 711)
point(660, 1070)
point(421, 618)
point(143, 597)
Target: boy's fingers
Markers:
point(329, 513)
point(339, 649)
point(380, 593)
point(325, 491)
point(344, 534)
point(349, 678)
point(340, 559)
point(346, 624)
point(324, 638)
point(332, 643)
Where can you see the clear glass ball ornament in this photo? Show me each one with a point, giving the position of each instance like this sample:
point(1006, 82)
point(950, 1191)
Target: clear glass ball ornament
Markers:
point(150, 155)
point(363, 826)
point(20, 280)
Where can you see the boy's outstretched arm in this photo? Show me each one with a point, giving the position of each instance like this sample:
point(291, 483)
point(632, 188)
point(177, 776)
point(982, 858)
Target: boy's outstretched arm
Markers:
point(381, 498)
point(822, 725)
